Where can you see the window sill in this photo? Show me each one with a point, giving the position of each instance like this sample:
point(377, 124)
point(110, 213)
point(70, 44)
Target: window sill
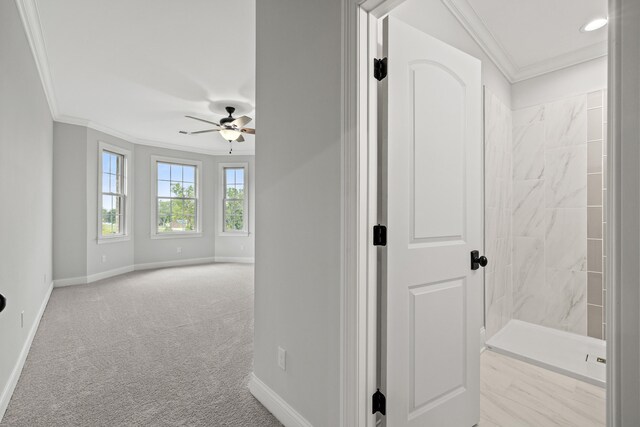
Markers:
point(119, 239)
point(234, 234)
point(176, 235)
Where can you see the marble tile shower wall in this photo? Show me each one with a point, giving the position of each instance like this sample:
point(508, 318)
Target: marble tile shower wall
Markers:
point(498, 200)
point(550, 214)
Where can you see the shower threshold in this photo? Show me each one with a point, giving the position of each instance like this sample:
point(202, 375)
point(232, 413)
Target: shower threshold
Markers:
point(574, 355)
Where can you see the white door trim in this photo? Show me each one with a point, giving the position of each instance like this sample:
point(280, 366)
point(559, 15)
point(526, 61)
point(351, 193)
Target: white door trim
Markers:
point(623, 216)
point(359, 177)
point(358, 305)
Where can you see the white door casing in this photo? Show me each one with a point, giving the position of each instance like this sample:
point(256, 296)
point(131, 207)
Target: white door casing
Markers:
point(431, 202)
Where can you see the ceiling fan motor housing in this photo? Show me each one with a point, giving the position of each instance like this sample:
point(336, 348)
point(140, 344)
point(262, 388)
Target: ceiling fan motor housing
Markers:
point(229, 119)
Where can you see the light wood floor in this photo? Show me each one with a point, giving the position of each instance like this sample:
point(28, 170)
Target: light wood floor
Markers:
point(518, 394)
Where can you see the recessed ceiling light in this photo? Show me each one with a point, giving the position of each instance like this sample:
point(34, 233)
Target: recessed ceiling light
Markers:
point(595, 24)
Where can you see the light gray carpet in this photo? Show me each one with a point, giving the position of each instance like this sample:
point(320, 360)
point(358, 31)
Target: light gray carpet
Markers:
point(169, 347)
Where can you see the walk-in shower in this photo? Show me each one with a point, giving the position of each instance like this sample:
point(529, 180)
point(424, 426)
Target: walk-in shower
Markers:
point(545, 188)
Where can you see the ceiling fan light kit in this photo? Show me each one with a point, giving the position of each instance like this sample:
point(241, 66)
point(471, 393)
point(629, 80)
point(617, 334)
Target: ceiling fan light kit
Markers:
point(230, 134)
point(230, 128)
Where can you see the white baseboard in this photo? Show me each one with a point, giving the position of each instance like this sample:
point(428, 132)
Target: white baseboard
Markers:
point(240, 260)
point(83, 280)
point(5, 397)
point(173, 263)
point(106, 274)
point(276, 404)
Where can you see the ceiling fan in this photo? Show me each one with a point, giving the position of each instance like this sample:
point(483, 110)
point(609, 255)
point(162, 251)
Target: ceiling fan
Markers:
point(230, 128)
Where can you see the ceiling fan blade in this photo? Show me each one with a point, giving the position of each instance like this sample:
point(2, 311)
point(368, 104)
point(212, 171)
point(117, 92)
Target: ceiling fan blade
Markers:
point(241, 121)
point(203, 120)
point(240, 139)
point(205, 131)
point(199, 131)
point(248, 130)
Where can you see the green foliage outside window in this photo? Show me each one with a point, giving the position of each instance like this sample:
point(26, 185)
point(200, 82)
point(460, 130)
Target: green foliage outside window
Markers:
point(179, 212)
point(234, 209)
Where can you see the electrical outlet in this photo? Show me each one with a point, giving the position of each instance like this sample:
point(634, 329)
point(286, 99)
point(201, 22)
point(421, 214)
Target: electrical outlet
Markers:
point(22, 319)
point(104, 259)
point(179, 249)
point(282, 358)
point(242, 247)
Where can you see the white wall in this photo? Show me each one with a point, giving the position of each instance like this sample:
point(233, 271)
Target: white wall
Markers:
point(298, 204)
point(571, 81)
point(435, 19)
point(26, 207)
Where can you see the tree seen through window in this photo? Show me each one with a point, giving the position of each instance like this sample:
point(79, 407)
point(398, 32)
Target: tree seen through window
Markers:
point(177, 198)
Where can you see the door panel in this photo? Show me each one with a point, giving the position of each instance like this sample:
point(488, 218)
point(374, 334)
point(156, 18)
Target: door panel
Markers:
point(432, 306)
point(438, 119)
point(430, 176)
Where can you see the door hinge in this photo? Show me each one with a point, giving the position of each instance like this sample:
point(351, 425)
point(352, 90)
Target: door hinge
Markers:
point(379, 68)
point(379, 403)
point(379, 235)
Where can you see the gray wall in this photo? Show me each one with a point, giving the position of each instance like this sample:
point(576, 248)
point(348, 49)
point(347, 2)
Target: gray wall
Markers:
point(69, 201)
point(118, 254)
point(623, 348)
point(78, 253)
point(236, 246)
point(149, 250)
point(211, 244)
point(26, 174)
point(297, 288)
point(75, 186)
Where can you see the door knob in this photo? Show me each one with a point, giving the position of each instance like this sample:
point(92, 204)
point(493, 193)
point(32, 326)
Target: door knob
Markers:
point(478, 261)
point(3, 302)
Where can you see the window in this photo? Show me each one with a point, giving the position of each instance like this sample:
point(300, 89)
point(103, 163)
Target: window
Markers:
point(234, 198)
point(112, 203)
point(176, 198)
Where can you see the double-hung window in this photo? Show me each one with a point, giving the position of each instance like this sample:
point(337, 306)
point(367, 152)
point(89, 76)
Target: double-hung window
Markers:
point(113, 201)
point(176, 198)
point(235, 194)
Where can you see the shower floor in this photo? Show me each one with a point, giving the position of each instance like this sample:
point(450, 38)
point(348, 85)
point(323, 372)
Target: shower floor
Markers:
point(560, 351)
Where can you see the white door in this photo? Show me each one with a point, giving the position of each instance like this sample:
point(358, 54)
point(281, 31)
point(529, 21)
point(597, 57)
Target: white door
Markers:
point(431, 177)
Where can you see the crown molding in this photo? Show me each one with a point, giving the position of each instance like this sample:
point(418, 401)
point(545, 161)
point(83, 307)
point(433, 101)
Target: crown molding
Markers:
point(31, 21)
point(141, 141)
point(33, 28)
point(476, 27)
point(588, 53)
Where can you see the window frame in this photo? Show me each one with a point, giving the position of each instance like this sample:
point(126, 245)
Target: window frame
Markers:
point(154, 198)
point(222, 198)
point(126, 194)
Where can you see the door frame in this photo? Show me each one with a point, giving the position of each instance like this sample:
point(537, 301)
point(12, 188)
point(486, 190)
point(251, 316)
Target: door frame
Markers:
point(359, 213)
